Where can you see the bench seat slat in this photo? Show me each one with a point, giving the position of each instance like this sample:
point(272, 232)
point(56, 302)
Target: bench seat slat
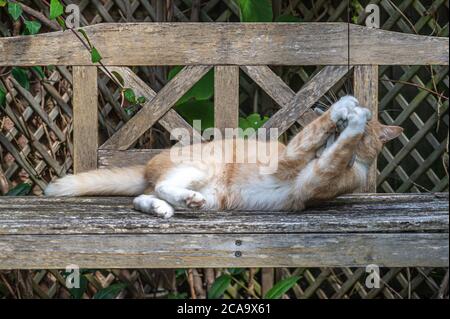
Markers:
point(392, 230)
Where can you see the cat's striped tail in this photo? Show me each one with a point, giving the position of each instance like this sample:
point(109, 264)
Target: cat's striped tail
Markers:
point(126, 181)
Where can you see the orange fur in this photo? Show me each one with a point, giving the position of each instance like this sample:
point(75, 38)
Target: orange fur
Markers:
point(301, 179)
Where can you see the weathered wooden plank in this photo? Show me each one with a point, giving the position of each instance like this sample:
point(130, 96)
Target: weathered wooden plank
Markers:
point(171, 120)
point(85, 118)
point(156, 108)
point(310, 93)
point(279, 91)
point(226, 44)
point(114, 158)
point(365, 85)
point(388, 213)
point(221, 250)
point(226, 97)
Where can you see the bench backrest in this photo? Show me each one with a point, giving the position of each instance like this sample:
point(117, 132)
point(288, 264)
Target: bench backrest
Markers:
point(226, 47)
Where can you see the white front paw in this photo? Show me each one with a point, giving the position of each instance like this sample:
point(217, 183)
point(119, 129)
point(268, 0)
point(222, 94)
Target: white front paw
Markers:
point(358, 119)
point(151, 204)
point(343, 108)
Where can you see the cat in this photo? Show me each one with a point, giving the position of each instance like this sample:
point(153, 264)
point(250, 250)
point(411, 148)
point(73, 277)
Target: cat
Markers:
point(302, 176)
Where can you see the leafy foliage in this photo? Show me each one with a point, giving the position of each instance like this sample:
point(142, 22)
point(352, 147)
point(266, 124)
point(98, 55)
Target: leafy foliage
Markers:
point(56, 9)
point(2, 96)
point(14, 10)
point(32, 27)
point(109, 292)
point(21, 76)
point(219, 286)
point(281, 287)
point(256, 10)
point(202, 90)
point(20, 190)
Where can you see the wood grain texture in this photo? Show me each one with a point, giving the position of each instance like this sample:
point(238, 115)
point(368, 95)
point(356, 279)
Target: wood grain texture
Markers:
point(152, 111)
point(395, 230)
point(309, 94)
point(85, 118)
point(365, 88)
point(219, 250)
point(227, 44)
point(279, 91)
point(114, 158)
point(171, 120)
point(226, 97)
point(362, 213)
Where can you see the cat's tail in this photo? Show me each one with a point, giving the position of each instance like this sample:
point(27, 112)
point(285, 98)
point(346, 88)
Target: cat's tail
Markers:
point(126, 181)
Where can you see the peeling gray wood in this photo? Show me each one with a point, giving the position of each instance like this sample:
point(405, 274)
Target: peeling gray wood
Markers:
point(171, 120)
point(279, 91)
point(227, 44)
point(156, 108)
point(226, 97)
point(365, 84)
point(114, 215)
point(392, 230)
point(85, 118)
point(309, 94)
point(219, 250)
point(114, 158)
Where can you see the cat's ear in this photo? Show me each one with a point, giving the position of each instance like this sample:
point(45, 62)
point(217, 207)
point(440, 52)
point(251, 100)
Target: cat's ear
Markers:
point(388, 133)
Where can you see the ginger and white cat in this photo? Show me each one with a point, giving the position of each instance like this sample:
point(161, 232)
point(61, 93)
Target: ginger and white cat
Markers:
point(302, 176)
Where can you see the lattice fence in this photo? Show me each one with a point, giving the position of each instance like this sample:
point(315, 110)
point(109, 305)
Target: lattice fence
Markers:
point(36, 127)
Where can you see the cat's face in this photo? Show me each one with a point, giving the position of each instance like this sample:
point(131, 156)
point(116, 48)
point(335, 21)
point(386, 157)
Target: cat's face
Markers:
point(375, 136)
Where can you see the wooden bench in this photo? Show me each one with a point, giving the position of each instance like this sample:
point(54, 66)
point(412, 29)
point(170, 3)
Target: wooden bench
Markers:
point(359, 230)
point(384, 229)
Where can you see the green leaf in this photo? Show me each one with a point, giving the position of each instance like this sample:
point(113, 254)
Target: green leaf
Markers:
point(110, 292)
point(202, 90)
point(56, 9)
point(277, 291)
point(95, 56)
point(21, 76)
point(219, 286)
point(197, 110)
point(2, 96)
point(77, 293)
point(14, 10)
point(83, 33)
point(254, 121)
point(118, 77)
point(141, 99)
point(39, 71)
point(129, 95)
point(256, 10)
point(288, 18)
point(2, 3)
point(61, 22)
point(32, 27)
point(20, 190)
point(236, 271)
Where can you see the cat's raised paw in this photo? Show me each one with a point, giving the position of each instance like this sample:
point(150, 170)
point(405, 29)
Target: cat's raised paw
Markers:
point(195, 200)
point(358, 119)
point(343, 108)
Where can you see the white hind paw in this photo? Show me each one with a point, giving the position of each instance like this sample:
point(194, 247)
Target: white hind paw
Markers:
point(151, 204)
point(195, 200)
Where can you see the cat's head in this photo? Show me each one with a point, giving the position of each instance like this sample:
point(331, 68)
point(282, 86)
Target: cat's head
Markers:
point(375, 137)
